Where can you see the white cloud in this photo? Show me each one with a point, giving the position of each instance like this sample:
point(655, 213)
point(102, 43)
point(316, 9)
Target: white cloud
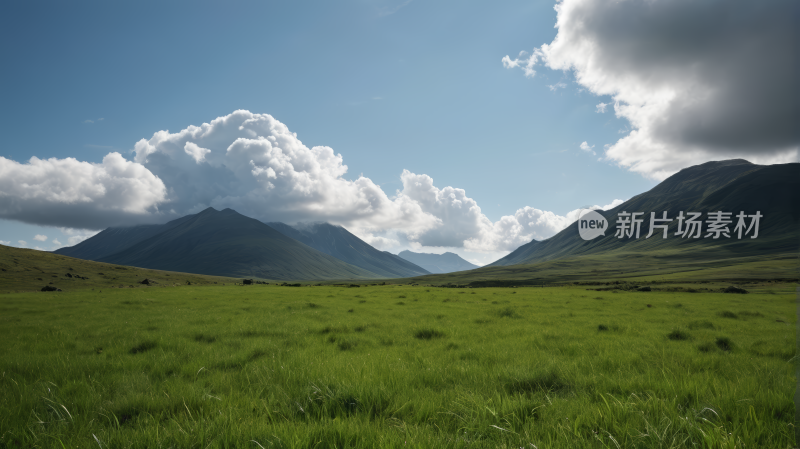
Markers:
point(720, 88)
point(88, 121)
point(556, 86)
point(5, 242)
point(253, 164)
point(22, 243)
point(56, 242)
point(75, 236)
point(601, 108)
point(39, 248)
point(197, 153)
point(40, 238)
point(67, 192)
point(585, 147)
point(524, 60)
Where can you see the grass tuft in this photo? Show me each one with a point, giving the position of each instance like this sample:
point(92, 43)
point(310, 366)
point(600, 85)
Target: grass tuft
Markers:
point(695, 325)
point(724, 343)
point(204, 338)
point(549, 382)
point(143, 347)
point(508, 312)
point(428, 334)
point(678, 334)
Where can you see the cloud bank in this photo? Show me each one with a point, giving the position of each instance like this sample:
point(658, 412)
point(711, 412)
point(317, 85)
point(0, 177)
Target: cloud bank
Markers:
point(67, 192)
point(255, 165)
point(697, 80)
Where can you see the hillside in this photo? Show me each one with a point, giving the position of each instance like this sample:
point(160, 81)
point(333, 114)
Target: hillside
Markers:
point(222, 243)
point(438, 263)
point(338, 242)
point(30, 270)
point(728, 186)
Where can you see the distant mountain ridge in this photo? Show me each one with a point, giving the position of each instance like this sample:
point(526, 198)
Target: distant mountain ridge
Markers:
point(438, 263)
point(222, 243)
point(338, 242)
point(728, 186)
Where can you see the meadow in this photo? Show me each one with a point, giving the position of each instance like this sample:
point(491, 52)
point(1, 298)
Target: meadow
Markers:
point(269, 366)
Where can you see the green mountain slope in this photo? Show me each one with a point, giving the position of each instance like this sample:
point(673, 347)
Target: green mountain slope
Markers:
point(114, 240)
point(438, 263)
point(728, 186)
point(223, 243)
point(29, 270)
point(341, 244)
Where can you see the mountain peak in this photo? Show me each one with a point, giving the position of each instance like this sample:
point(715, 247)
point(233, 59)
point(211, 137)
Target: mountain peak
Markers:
point(714, 165)
point(438, 263)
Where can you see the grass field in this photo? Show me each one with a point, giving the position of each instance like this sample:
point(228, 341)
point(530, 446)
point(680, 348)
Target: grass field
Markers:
point(397, 366)
point(655, 265)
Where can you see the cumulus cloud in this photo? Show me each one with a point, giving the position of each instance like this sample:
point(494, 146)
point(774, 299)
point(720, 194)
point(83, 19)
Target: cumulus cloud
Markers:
point(697, 80)
point(56, 242)
point(5, 242)
point(255, 165)
point(67, 192)
point(585, 147)
point(525, 61)
point(601, 108)
point(40, 238)
point(22, 243)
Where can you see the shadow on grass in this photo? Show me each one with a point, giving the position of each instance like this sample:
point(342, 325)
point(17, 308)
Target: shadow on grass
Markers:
point(428, 334)
point(143, 347)
point(546, 382)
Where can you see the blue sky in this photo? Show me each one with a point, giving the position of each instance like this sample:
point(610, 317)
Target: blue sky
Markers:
point(388, 85)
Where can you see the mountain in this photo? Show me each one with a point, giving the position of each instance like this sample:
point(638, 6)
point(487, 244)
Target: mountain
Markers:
point(221, 243)
point(341, 244)
point(728, 186)
point(438, 263)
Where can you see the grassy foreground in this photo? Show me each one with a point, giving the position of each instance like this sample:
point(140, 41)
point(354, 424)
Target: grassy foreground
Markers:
point(397, 366)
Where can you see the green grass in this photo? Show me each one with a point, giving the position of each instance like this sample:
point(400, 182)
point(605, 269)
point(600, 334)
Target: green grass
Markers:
point(269, 366)
point(29, 270)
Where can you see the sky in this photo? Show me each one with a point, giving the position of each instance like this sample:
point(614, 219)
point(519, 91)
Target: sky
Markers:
point(434, 126)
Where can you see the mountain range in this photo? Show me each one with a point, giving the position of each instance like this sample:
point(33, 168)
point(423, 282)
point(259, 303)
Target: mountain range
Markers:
point(222, 243)
point(729, 186)
point(438, 263)
point(226, 243)
point(338, 242)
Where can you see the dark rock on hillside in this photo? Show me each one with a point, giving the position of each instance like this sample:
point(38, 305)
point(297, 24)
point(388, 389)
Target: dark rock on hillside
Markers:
point(148, 282)
point(50, 288)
